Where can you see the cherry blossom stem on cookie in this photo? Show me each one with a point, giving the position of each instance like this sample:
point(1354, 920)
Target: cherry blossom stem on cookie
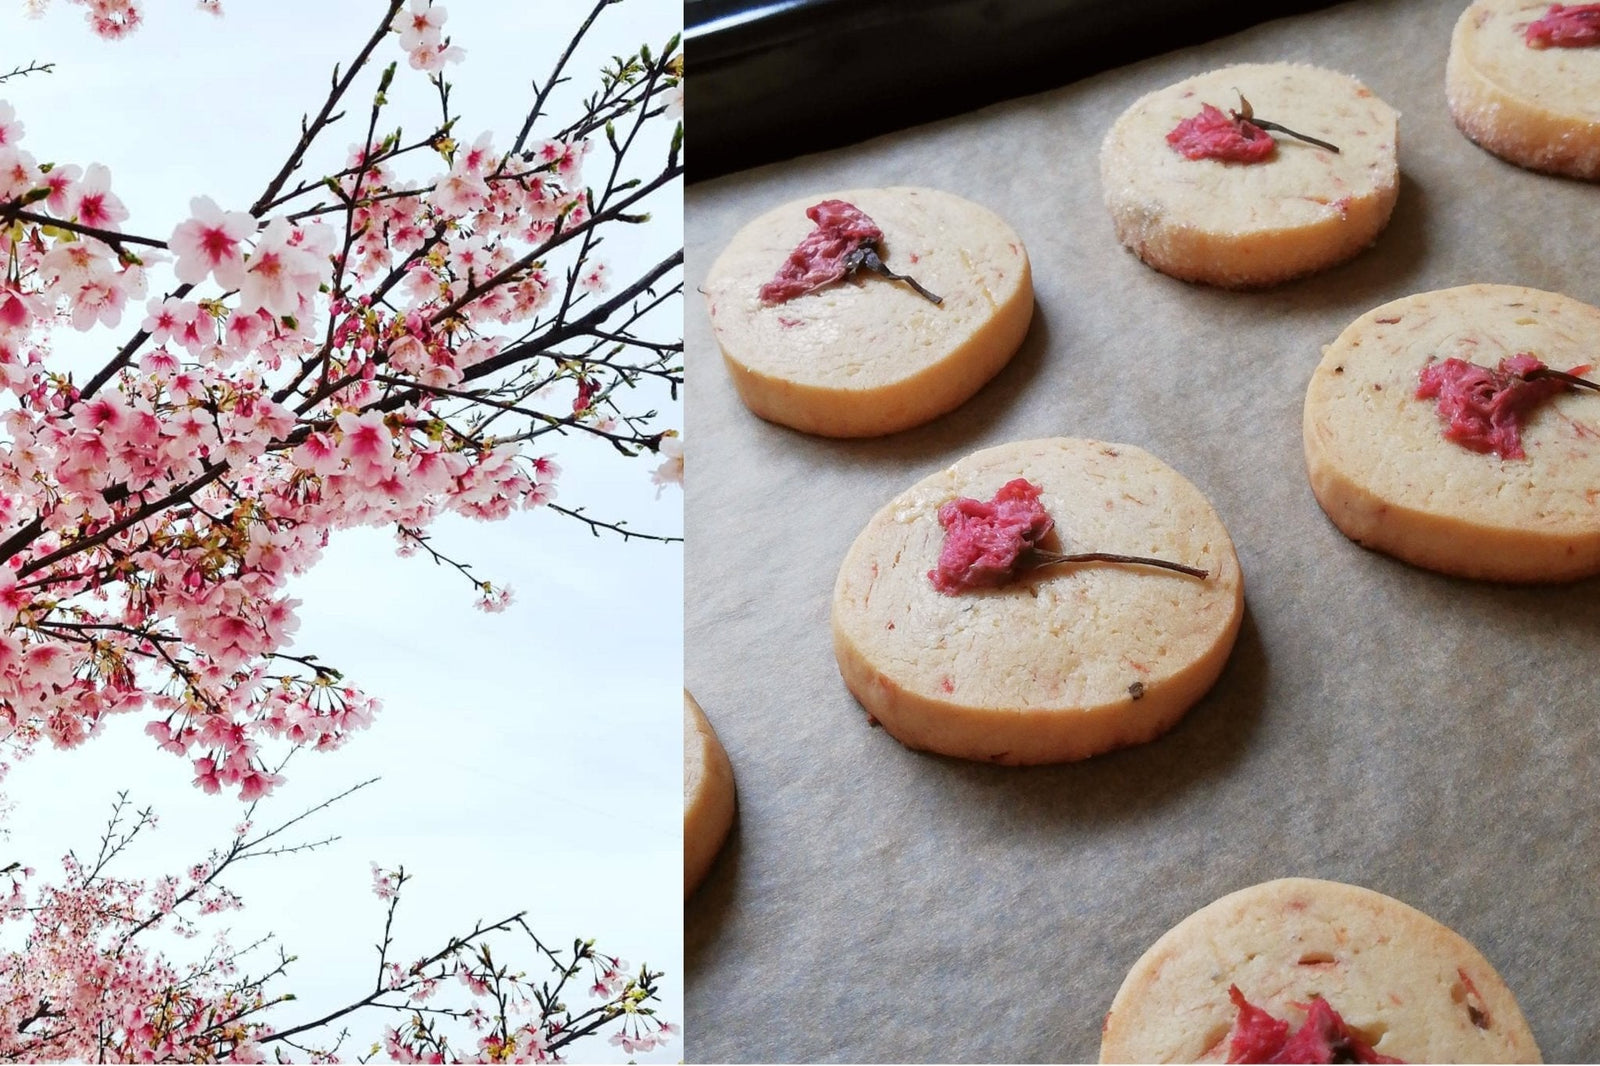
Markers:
point(1034, 558)
point(1562, 376)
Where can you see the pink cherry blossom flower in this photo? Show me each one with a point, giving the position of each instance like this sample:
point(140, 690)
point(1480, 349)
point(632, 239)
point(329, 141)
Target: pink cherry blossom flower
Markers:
point(171, 319)
point(365, 439)
point(595, 278)
point(481, 156)
point(92, 203)
point(670, 472)
point(494, 600)
point(10, 128)
point(288, 264)
point(420, 25)
point(434, 59)
point(61, 181)
point(208, 244)
point(19, 174)
point(113, 19)
point(459, 192)
point(255, 783)
point(205, 774)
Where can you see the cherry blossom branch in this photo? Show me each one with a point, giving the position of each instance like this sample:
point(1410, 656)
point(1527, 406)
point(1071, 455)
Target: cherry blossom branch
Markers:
point(112, 845)
point(668, 174)
point(478, 398)
point(309, 133)
point(516, 353)
point(542, 94)
point(318, 209)
point(249, 848)
point(130, 1001)
point(620, 528)
point(332, 180)
point(421, 540)
point(33, 67)
point(238, 851)
point(15, 210)
point(148, 510)
point(454, 945)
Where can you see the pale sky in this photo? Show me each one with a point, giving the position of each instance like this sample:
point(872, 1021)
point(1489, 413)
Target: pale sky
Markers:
point(529, 760)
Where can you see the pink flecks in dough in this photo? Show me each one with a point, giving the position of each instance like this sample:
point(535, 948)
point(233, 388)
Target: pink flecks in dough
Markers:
point(1213, 135)
point(983, 541)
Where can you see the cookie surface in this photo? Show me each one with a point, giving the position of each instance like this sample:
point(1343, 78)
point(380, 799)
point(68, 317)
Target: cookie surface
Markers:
point(708, 795)
point(868, 356)
point(1405, 984)
point(1536, 107)
point(1383, 471)
point(1243, 225)
point(1067, 661)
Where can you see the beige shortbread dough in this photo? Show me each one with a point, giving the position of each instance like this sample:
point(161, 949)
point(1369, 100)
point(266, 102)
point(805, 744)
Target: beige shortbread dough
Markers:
point(1244, 225)
point(868, 356)
point(1066, 662)
point(1387, 477)
point(1536, 107)
point(708, 795)
point(1410, 987)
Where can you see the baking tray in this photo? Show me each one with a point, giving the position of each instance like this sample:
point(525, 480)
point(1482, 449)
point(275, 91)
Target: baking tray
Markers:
point(774, 79)
point(1432, 738)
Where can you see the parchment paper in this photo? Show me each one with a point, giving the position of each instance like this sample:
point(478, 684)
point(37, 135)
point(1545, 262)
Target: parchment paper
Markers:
point(1428, 737)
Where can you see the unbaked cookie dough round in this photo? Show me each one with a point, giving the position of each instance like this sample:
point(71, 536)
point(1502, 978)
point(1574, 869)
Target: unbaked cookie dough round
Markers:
point(1384, 472)
point(708, 795)
point(1405, 985)
point(868, 355)
point(1066, 661)
point(1245, 225)
point(1536, 107)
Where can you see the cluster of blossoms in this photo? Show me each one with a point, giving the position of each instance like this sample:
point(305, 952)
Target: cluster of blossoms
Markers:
point(115, 19)
point(82, 988)
point(512, 1018)
point(361, 350)
point(421, 29)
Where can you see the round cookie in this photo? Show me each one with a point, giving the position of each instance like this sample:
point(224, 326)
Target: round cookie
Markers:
point(1066, 661)
point(708, 795)
point(1536, 107)
point(1407, 986)
point(868, 356)
point(1245, 225)
point(1383, 471)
